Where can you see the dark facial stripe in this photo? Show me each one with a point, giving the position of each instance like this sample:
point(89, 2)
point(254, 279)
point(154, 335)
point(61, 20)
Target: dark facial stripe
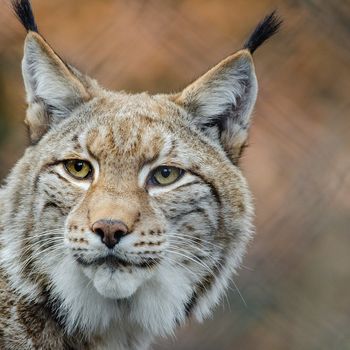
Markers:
point(205, 197)
point(54, 206)
point(204, 285)
point(60, 177)
point(210, 185)
point(181, 214)
point(195, 182)
point(200, 289)
point(26, 258)
point(54, 203)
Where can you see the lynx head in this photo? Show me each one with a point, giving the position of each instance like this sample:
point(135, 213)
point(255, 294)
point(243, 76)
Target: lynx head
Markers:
point(129, 202)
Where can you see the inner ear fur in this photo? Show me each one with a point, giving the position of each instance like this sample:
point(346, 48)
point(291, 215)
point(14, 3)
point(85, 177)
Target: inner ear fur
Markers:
point(221, 101)
point(53, 89)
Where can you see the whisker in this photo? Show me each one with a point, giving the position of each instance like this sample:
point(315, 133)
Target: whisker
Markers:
point(37, 245)
point(185, 240)
point(209, 257)
point(192, 259)
point(198, 280)
point(40, 254)
point(34, 237)
point(194, 239)
point(238, 291)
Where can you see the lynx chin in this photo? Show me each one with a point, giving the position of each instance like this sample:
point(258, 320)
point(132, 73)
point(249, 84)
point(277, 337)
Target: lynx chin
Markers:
point(128, 214)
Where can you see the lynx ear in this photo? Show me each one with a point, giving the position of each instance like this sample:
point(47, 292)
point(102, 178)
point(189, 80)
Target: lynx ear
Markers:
point(221, 101)
point(53, 89)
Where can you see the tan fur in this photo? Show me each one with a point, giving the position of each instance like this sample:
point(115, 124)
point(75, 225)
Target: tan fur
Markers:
point(61, 288)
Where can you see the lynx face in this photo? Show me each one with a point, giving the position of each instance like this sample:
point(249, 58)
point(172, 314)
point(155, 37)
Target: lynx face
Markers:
point(128, 211)
point(172, 224)
point(162, 195)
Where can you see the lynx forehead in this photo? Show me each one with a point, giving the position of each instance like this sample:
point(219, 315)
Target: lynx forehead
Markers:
point(128, 214)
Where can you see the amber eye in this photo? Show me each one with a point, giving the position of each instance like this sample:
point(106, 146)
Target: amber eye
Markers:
point(80, 169)
point(165, 175)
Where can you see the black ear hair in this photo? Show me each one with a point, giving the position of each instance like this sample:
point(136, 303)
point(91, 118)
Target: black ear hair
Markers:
point(24, 13)
point(264, 30)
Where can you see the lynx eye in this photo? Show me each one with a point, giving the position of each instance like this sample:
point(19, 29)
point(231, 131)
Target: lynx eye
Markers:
point(165, 175)
point(79, 169)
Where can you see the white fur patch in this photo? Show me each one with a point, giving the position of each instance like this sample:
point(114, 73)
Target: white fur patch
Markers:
point(44, 79)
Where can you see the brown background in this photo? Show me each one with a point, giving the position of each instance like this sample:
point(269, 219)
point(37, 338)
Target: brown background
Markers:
point(295, 281)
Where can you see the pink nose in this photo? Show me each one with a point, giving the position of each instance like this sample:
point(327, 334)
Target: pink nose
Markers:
point(110, 231)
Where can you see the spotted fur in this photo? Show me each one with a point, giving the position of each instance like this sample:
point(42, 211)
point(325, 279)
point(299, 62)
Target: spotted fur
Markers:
point(60, 286)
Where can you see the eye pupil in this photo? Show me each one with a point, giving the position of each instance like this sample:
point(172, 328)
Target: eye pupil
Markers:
point(165, 172)
point(78, 166)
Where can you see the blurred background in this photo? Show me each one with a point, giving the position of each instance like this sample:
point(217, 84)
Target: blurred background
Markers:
point(295, 282)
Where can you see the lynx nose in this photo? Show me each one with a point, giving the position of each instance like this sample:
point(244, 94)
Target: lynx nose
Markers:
point(110, 231)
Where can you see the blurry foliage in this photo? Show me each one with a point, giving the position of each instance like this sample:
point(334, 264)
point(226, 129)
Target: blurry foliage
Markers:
point(295, 281)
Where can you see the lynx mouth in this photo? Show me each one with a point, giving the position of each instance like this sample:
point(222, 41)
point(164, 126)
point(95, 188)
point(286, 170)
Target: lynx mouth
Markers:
point(114, 261)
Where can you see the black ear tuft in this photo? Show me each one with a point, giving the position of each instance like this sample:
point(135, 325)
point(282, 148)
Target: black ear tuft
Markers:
point(24, 13)
point(264, 30)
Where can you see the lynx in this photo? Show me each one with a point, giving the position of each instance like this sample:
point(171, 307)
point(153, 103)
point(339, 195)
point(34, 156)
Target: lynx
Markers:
point(127, 214)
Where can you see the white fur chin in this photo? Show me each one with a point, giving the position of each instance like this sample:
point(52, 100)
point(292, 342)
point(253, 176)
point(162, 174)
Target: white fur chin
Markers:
point(115, 284)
